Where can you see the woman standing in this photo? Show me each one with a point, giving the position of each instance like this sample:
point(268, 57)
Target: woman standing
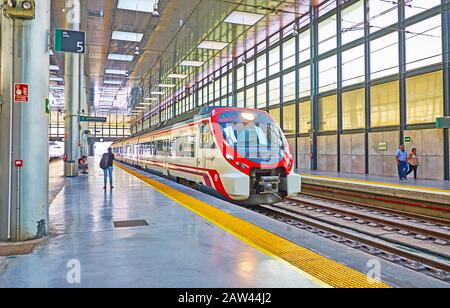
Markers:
point(413, 161)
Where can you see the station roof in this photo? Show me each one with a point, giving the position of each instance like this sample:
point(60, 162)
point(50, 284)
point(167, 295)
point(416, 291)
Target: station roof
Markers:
point(129, 44)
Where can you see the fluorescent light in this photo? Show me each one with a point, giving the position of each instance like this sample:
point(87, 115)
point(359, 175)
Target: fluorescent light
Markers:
point(243, 18)
point(192, 63)
point(212, 45)
point(164, 85)
point(113, 82)
point(120, 57)
point(54, 67)
point(151, 99)
point(146, 104)
point(59, 79)
point(177, 76)
point(136, 5)
point(157, 93)
point(127, 36)
point(57, 88)
point(116, 72)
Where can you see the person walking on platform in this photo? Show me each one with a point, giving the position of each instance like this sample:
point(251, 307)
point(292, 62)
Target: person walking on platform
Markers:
point(413, 161)
point(107, 165)
point(402, 162)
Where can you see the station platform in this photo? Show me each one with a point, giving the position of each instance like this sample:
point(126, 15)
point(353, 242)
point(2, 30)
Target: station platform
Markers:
point(190, 240)
point(425, 197)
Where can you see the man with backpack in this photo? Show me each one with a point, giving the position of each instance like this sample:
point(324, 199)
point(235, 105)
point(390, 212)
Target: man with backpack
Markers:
point(106, 164)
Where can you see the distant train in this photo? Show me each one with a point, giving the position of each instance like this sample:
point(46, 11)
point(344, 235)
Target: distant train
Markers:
point(55, 150)
point(241, 154)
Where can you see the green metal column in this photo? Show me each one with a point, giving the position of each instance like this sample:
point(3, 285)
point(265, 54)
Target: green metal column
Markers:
point(314, 15)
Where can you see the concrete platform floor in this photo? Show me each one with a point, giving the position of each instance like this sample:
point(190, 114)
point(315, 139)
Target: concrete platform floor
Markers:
point(177, 249)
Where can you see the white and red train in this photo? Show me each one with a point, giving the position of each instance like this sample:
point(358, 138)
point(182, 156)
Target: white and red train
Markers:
point(242, 154)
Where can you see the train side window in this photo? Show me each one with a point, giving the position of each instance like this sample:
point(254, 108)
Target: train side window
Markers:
point(206, 138)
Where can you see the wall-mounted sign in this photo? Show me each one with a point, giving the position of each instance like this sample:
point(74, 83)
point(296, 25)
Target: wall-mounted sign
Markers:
point(70, 41)
point(21, 93)
point(93, 119)
point(383, 146)
point(408, 139)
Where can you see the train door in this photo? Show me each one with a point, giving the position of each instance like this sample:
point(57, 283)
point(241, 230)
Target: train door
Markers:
point(207, 156)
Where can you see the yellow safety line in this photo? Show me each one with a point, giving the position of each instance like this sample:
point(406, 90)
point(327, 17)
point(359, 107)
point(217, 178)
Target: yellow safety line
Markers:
point(322, 270)
point(377, 183)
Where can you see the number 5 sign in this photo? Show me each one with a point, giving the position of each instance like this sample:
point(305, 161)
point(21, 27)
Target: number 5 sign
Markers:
point(70, 41)
point(21, 93)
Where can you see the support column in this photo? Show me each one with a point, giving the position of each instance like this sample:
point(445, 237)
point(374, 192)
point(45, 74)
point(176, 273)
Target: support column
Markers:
point(315, 121)
point(72, 94)
point(24, 127)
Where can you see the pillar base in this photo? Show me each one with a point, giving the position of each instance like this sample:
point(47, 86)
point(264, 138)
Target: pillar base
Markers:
point(70, 169)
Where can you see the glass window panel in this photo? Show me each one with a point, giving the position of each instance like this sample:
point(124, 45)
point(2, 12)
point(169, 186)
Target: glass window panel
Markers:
point(328, 113)
point(230, 82)
point(289, 87)
point(327, 35)
point(262, 97)
point(425, 98)
point(289, 53)
point(275, 113)
point(384, 56)
point(240, 77)
point(274, 61)
point(250, 100)
point(261, 67)
point(328, 74)
point(354, 109)
point(305, 81)
point(240, 101)
point(250, 72)
point(289, 122)
point(274, 93)
point(353, 22)
point(353, 66)
point(217, 89)
point(385, 104)
point(419, 6)
point(424, 43)
point(382, 14)
point(305, 46)
point(305, 117)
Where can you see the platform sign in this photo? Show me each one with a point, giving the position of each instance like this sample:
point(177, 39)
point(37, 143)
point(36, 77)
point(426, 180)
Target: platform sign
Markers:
point(443, 122)
point(21, 93)
point(408, 139)
point(383, 146)
point(93, 119)
point(70, 41)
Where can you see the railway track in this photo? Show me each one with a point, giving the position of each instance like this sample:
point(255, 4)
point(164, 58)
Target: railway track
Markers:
point(414, 241)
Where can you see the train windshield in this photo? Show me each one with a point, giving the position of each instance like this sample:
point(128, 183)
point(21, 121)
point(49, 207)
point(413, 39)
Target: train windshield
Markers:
point(253, 135)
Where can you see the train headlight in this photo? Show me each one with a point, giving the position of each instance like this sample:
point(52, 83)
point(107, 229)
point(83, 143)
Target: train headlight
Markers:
point(248, 116)
point(26, 5)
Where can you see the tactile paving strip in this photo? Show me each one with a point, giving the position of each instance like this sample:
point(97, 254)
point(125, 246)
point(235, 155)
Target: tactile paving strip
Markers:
point(15, 250)
point(326, 270)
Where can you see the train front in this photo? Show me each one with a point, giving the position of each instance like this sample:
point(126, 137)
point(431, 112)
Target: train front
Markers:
point(255, 146)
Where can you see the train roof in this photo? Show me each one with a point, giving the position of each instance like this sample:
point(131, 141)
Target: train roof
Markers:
point(196, 114)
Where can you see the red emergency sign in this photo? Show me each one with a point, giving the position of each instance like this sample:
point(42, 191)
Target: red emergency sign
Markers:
point(21, 93)
point(18, 163)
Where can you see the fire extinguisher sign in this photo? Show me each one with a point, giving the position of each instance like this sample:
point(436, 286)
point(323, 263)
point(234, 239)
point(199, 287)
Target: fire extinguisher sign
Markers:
point(21, 93)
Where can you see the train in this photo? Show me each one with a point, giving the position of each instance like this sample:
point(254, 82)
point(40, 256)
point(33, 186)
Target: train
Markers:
point(56, 150)
point(238, 154)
